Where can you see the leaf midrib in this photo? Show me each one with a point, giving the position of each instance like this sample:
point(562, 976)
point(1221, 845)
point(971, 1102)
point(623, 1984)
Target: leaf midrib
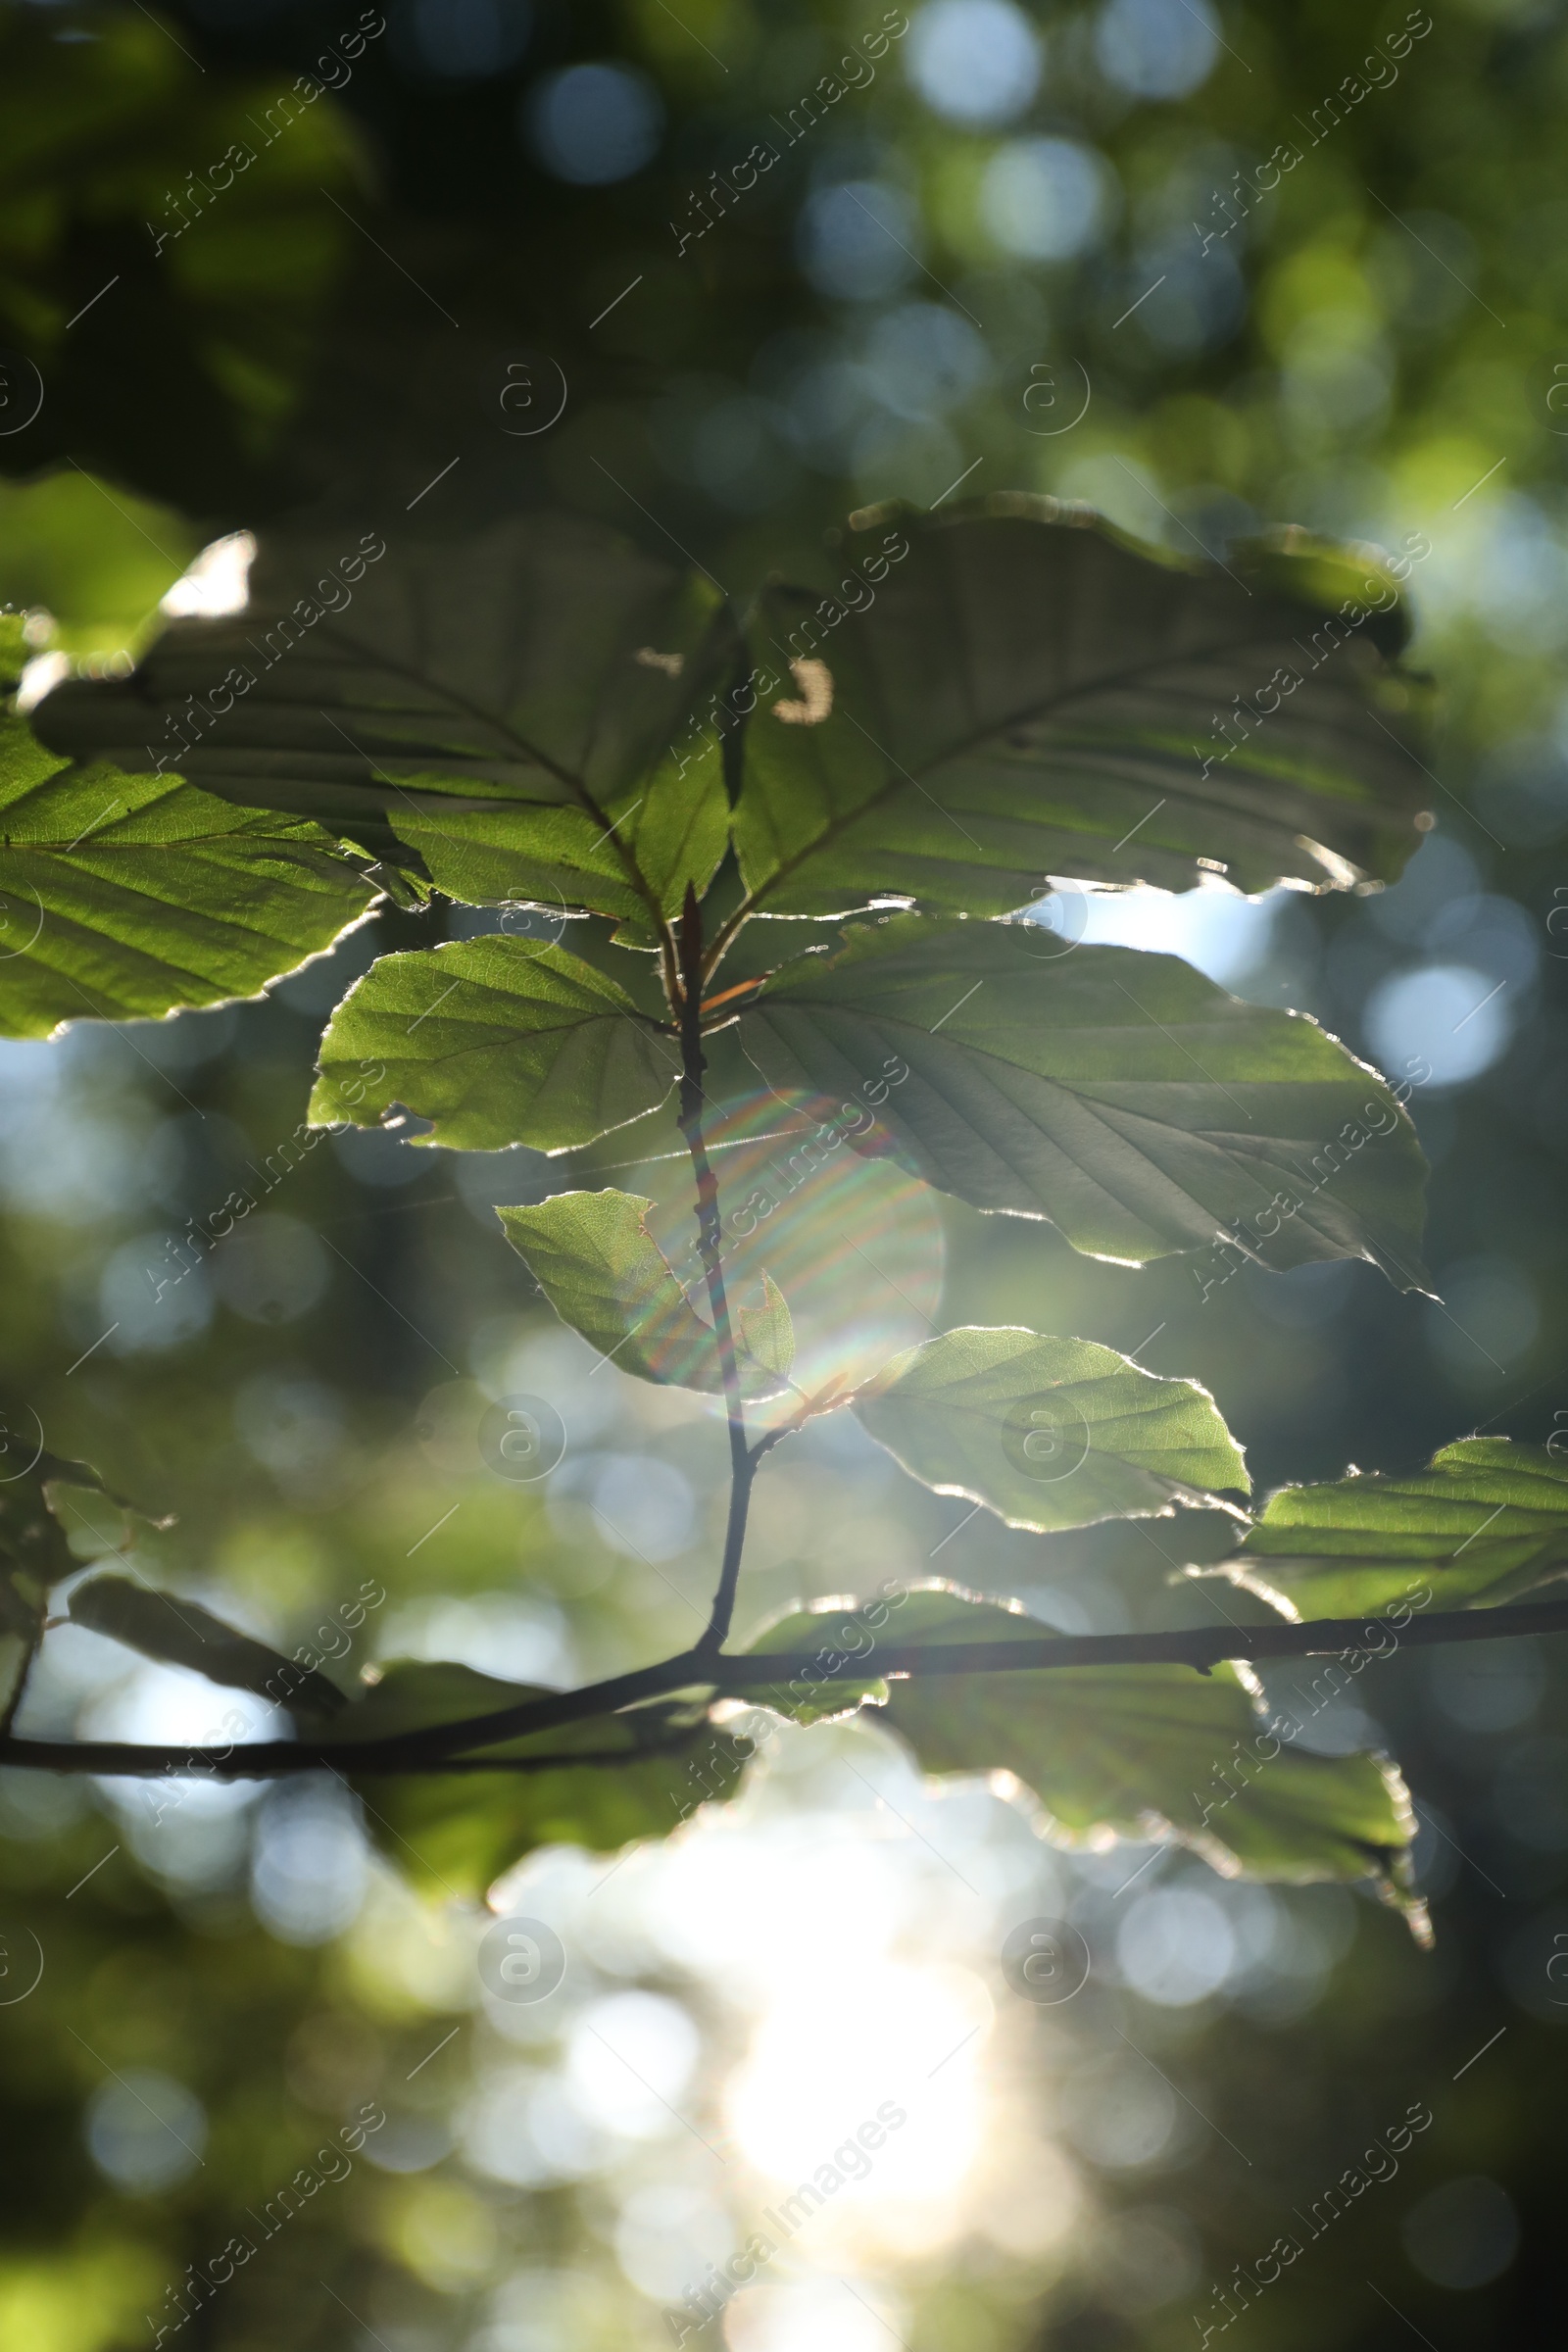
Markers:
point(958, 751)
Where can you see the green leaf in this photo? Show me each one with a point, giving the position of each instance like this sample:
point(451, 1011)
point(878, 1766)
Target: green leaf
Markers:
point(561, 859)
point(127, 896)
point(56, 1470)
point(656, 1765)
point(1486, 1521)
point(410, 1693)
point(1048, 1433)
point(767, 1332)
point(1145, 1751)
point(40, 1494)
point(832, 1631)
point(601, 1269)
point(498, 1042)
point(1119, 1094)
point(23, 1602)
point(182, 1633)
point(522, 707)
point(97, 569)
point(1026, 693)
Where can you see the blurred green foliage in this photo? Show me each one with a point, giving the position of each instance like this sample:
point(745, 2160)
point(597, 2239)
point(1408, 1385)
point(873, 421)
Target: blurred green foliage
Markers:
point(1371, 350)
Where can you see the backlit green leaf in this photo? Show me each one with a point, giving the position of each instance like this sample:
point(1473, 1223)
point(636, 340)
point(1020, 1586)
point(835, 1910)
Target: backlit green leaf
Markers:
point(498, 1040)
point(528, 709)
point(767, 1332)
point(652, 1768)
point(603, 1272)
point(1145, 1751)
point(180, 1632)
point(829, 1632)
point(1486, 1521)
point(1119, 1094)
point(1024, 694)
point(127, 896)
point(1048, 1433)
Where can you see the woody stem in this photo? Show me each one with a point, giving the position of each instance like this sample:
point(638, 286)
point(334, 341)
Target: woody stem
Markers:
point(742, 1468)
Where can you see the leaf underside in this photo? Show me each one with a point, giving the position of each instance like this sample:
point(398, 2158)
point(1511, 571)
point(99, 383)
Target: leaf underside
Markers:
point(1486, 1522)
point(128, 896)
point(1134, 1752)
point(459, 1833)
point(497, 1042)
point(1029, 695)
point(1048, 1433)
point(1119, 1094)
point(531, 714)
point(180, 1632)
point(601, 1269)
point(502, 705)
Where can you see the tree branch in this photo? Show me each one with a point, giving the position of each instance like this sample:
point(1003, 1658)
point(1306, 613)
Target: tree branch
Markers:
point(767, 1677)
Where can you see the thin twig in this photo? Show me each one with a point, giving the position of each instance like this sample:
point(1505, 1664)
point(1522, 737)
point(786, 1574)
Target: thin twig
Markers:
point(742, 1468)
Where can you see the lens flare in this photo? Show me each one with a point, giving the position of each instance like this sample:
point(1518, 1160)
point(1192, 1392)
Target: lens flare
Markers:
point(810, 1191)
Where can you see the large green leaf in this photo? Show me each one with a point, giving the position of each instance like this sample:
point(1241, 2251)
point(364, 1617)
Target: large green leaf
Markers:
point(1026, 695)
point(498, 1042)
point(1486, 1522)
point(524, 706)
point(601, 1269)
point(1119, 1094)
point(180, 1632)
point(1137, 1751)
point(127, 896)
point(1048, 1433)
point(654, 1766)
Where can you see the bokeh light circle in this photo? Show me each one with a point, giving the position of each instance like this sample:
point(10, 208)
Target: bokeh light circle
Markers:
point(974, 61)
point(593, 125)
point(1450, 1016)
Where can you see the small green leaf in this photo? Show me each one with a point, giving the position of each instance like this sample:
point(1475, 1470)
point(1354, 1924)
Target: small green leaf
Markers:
point(767, 1332)
point(601, 1269)
point(56, 1471)
point(497, 1041)
point(1048, 1433)
point(1486, 1521)
point(182, 1633)
point(653, 1767)
point(1007, 695)
point(1119, 1094)
point(1146, 1751)
point(831, 1631)
point(126, 897)
point(41, 1493)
